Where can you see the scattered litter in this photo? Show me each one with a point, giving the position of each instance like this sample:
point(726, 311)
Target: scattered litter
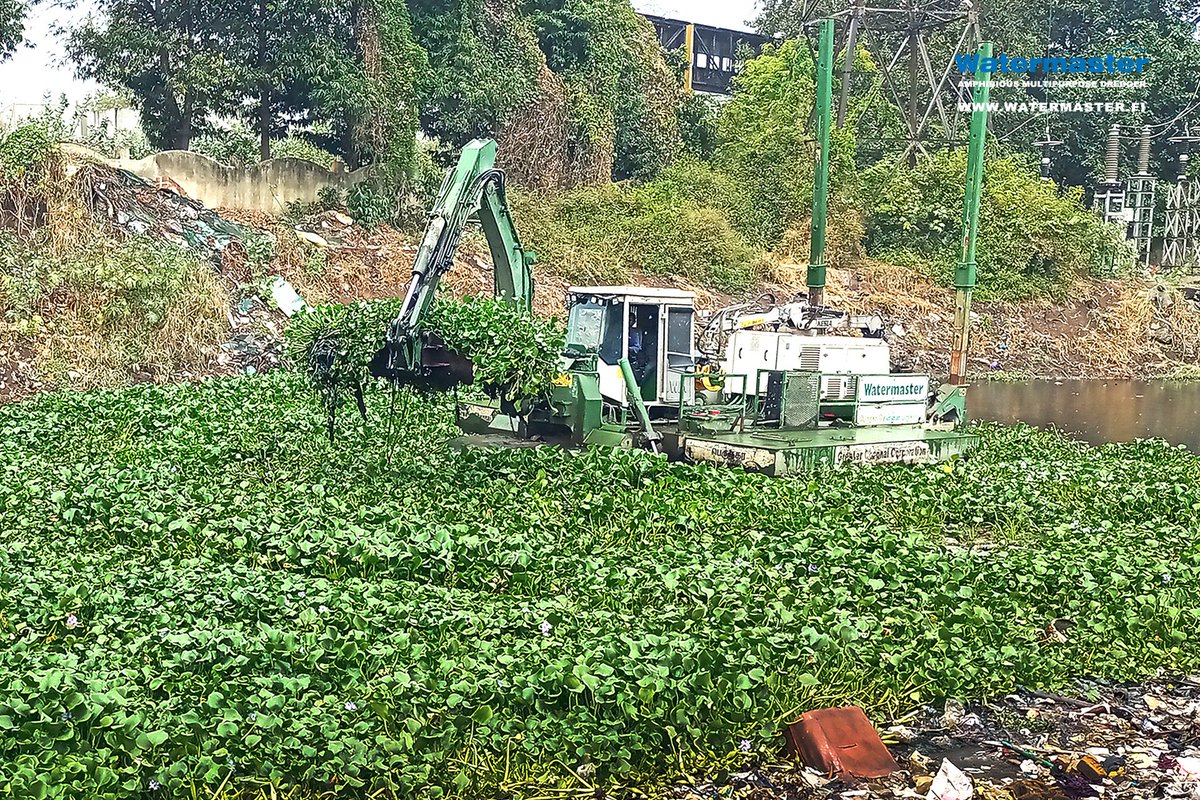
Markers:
point(139, 207)
point(951, 783)
point(1095, 739)
point(286, 297)
point(1188, 767)
point(312, 238)
point(953, 713)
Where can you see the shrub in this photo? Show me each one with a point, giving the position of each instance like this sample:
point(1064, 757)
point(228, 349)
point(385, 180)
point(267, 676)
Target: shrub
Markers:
point(1032, 240)
point(330, 198)
point(766, 140)
point(664, 229)
point(369, 204)
point(23, 151)
point(134, 141)
point(299, 147)
point(698, 115)
point(235, 146)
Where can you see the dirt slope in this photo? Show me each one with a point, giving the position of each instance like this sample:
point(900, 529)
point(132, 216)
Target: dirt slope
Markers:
point(1104, 329)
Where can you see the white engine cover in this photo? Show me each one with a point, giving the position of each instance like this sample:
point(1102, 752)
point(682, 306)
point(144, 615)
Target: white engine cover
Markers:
point(747, 352)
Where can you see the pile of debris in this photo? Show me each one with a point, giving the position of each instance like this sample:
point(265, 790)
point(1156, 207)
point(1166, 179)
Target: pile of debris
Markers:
point(138, 207)
point(1111, 741)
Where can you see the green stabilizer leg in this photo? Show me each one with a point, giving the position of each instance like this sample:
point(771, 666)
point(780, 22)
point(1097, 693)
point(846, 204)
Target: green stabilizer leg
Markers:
point(639, 408)
point(820, 207)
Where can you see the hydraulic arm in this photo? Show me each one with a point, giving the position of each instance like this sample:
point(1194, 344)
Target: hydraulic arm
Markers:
point(473, 191)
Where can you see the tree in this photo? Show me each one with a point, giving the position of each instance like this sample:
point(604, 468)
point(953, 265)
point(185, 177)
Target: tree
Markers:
point(360, 76)
point(393, 65)
point(483, 65)
point(1164, 29)
point(1158, 29)
point(285, 48)
point(623, 94)
point(12, 26)
point(172, 56)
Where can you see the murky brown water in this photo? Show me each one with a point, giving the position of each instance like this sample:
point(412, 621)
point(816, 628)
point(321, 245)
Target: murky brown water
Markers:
point(1095, 411)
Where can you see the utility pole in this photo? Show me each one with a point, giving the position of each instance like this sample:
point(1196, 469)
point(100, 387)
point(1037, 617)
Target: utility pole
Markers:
point(964, 275)
point(1047, 146)
point(689, 48)
point(816, 263)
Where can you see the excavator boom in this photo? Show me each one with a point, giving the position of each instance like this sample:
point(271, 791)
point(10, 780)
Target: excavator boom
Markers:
point(473, 191)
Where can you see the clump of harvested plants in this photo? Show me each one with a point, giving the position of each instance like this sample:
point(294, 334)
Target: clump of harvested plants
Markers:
point(334, 344)
point(514, 353)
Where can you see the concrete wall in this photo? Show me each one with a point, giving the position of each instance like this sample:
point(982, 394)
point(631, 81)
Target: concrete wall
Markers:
point(267, 187)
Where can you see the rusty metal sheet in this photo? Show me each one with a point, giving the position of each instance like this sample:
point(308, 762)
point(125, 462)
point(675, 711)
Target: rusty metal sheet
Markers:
point(841, 742)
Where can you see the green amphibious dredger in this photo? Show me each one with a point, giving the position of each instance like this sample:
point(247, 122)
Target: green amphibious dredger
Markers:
point(773, 387)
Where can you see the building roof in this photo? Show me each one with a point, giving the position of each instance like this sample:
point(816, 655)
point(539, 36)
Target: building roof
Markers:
point(636, 291)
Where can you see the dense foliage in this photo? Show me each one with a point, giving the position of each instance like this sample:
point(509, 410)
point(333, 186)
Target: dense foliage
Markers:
point(12, 26)
point(387, 120)
point(765, 141)
point(88, 124)
point(1032, 239)
point(199, 590)
point(683, 225)
point(1163, 31)
point(361, 76)
point(237, 146)
point(513, 352)
point(765, 149)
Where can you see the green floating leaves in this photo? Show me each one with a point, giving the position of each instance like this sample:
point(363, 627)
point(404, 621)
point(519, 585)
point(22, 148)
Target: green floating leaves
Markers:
point(237, 601)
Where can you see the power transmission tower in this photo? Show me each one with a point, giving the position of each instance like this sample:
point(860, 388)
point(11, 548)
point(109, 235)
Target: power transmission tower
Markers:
point(925, 87)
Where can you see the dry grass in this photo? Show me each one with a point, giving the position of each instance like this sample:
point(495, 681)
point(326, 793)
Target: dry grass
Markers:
point(83, 304)
point(1105, 328)
point(86, 345)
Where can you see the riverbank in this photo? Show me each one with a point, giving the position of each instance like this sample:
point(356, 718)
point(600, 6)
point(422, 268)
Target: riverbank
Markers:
point(1114, 329)
point(1121, 329)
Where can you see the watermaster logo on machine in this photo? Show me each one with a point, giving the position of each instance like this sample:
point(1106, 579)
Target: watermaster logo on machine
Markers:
point(1110, 63)
point(891, 391)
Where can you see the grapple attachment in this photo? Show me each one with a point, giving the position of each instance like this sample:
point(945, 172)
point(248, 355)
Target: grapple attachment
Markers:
point(425, 363)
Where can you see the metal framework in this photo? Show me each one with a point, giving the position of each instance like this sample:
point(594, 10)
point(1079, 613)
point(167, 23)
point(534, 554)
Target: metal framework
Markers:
point(1109, 202)
point(1181, 235)
point(897, 34)
point(1139, 199)
point(1182, 246)
point(716, 55)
